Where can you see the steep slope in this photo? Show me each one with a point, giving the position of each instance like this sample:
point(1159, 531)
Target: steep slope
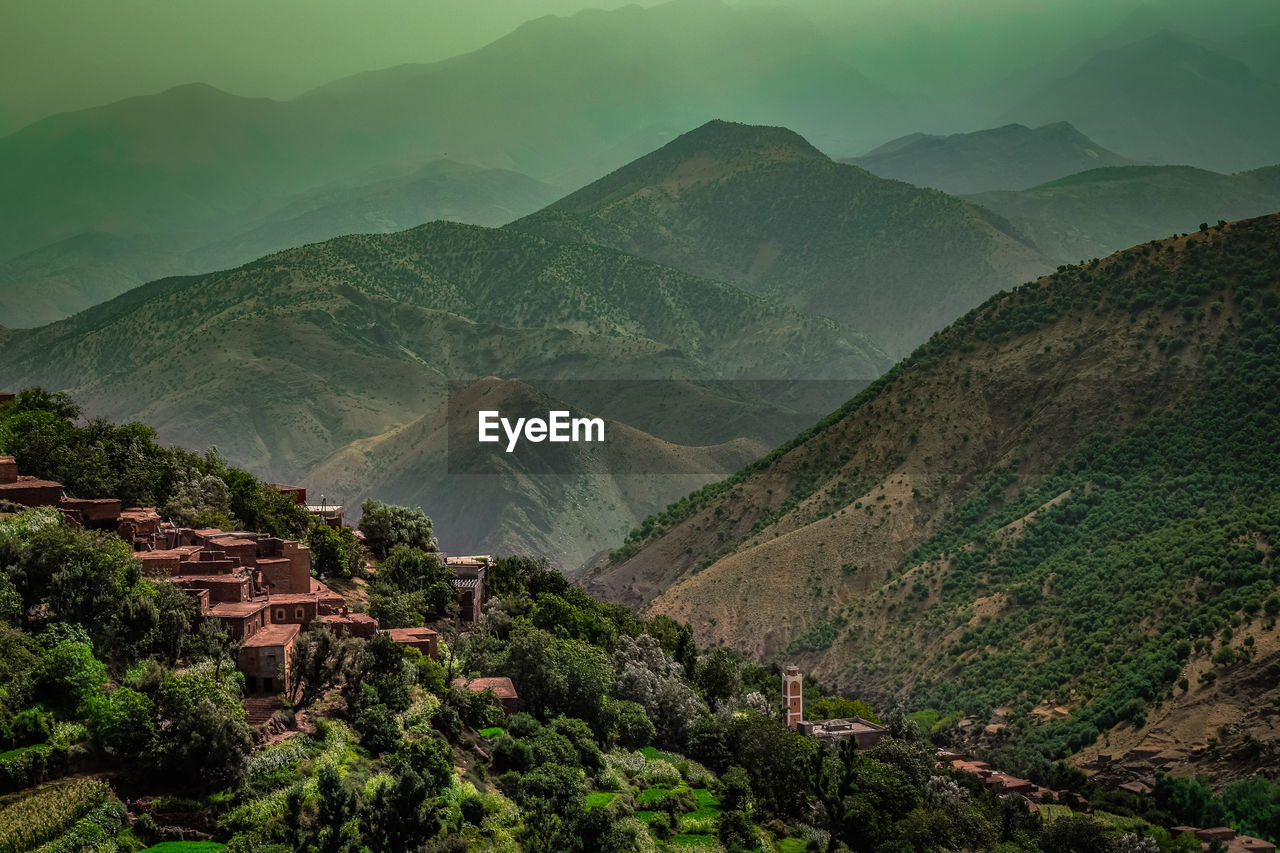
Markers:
point(1012, 157)
point(286, 361)
point(762, 208)
point(1166, 99)
point(1100, 211)
point(55, 281)
point(1067, 497)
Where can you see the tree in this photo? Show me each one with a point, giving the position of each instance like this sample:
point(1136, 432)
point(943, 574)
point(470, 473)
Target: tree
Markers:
point(202, 738)
point(200, 500)
point(122, 720)
point(335, 551)
point(316, 664)
point(70, 673)
point(386, 525)
point(736, 832)
point(629, 725)
point(719, 674)
point(647, 676)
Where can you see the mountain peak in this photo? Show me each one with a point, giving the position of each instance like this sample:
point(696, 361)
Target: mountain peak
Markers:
point(712, 152)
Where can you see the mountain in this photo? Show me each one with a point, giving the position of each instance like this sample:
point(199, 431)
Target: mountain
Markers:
point(560, 99)
point(1099, 211)
point(57, 280)
point(1012, 157)
point(301, 355)
point(1224, 117)
point(1070, 496)
point(763, 209)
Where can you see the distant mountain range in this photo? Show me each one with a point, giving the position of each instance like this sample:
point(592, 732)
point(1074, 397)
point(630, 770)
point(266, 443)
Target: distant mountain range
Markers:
point(1012, 157)
point(765, 210)
point(55, 281)
point(1097, 212)
point(1166, 99)
point(194, 178)
point(1052, 503)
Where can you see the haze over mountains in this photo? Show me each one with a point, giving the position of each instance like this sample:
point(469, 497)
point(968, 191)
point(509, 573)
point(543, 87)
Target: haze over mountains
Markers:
point(1093, 213)
point(1012, 157)
point(174, 180)
point(764, 209)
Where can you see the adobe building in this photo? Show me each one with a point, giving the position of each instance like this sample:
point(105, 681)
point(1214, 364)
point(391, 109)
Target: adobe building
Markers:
point(865, 733)
point(468, 582)
point(501, 687)
point(350, 624)
point(264, 658)
point(424, 640)
point(27, 491)
point(242, 619)
point(297, 494)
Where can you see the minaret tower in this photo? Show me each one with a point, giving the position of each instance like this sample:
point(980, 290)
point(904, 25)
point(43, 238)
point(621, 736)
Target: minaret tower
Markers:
point(792, 698)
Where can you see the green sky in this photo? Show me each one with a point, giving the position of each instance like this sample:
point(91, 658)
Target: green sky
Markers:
point(70, 54)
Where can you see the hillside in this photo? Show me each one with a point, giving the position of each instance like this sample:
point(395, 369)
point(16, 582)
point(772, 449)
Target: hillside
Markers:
point(1101, 211)
point(1068, 496)
point(287, 361)
point(1120, 97)
point(566, 503)
point(761, 208)
point(1012, 157)
point(72, 274)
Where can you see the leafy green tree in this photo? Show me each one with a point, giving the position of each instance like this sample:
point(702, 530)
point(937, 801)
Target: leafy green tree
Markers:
point(203, 738)
point(122, 721)
point(629, 726)
point(335, 551)
point(719, 674)
point(316, 663)
point(736, 833)
point(70, 674)
point(386, 525)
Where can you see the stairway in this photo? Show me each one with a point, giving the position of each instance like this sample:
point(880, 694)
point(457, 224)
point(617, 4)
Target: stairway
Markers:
point(258, 709)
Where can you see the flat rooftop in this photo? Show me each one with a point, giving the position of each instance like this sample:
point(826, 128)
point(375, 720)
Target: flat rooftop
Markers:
point(272, 635)
point(237, 608)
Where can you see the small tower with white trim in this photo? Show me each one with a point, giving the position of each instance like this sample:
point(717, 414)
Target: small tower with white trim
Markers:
point(792, 696)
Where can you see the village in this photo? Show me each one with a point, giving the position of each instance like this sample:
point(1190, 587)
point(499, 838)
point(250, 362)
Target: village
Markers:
point(259, 587)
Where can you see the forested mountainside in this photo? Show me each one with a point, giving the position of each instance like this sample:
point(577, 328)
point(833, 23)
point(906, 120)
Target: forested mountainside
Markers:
point(1066, 499)
point(78, 271)
point(762, 208)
